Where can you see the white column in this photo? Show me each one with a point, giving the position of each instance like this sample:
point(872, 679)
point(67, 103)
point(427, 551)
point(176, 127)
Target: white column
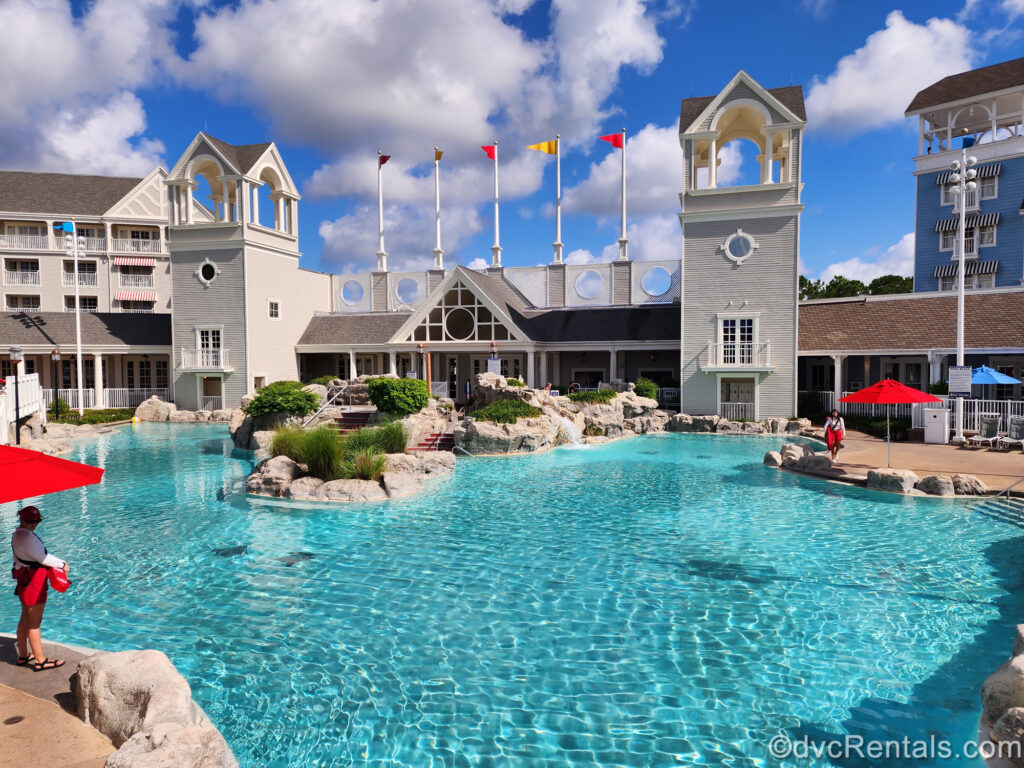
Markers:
point(188, 204)
point(712, 163)
point(97, 364)
point(558, 200)
point(255, 203)
point(279, 214)
point(295, 217)
point(995, 112)
point(920, 134)
point(556, 368)
point(935, 360)
point(613, 367)
point(543, 370)
point(530, 380)
point(351, 364)
point(837, 379)
point(766, 160)
point(225, 198)
point(392, 363)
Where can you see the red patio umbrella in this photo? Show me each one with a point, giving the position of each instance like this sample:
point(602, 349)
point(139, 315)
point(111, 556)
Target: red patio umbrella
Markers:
point(25, 473)
point(888, 392)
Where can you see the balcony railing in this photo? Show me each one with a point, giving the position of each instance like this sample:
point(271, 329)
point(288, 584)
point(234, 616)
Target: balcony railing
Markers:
point(25, 242)
point(203, 359)
point(136, 310)
point(129, 245)
point(12, 277)
point(92, 243)
point(737, 411)
point(85, 308)
point(130, 398)
point(211, 402)
point(136, 281)
point(730, 354)
point(84, 278)
point(970, 198)
point(21, 308)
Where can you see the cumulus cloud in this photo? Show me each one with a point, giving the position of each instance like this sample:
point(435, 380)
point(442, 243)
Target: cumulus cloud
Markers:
point(478, 264)
point(898, 259)
point(871, 87)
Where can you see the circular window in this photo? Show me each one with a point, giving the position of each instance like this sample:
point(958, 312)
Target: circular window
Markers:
point(352, 292)
point(656, 281)
point(588, 284)
point(407, 290)
point(207, 272)
point(459, 323)
point(739, 246)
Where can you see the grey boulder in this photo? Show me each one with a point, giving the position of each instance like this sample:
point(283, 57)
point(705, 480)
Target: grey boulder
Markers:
point(272, 477)
point(353, 490)
point(936, 485)
point(307, 488)
point(773, 459)
point(398, 484)
point(895, 480)
point(968, 485)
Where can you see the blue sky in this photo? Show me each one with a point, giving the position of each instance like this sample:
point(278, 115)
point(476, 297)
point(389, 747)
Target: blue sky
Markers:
point(117, 86)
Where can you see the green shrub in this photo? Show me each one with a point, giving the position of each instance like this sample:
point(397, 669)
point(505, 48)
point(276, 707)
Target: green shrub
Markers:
point(592, 430)
point(321, 450)
point(324, 381)
point(388, 438)
point(59, 407)
point(288, 441)
point(506, 412)
point(102, 416)
point(283, 397)
point(399, 396)
point(599, 396)
point(513, 382)
point(939, 388)
point(365, 465)
point(646, 388)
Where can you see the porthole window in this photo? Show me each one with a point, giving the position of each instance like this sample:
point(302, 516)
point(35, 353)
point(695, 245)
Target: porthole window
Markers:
point(407, 290)
point(589, 284)
point(656, 282)
point(207, 272)
point(739, 246)
point(352, 292)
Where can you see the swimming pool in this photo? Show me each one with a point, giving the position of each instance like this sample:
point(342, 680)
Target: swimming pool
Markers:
point(665, 600)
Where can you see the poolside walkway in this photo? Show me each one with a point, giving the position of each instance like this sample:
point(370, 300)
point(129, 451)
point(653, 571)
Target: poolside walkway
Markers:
point(38, 724)
point(996, 469)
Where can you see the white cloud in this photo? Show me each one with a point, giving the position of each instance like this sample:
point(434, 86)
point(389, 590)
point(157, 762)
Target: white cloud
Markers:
point(871, 87)
point(819, 9)
point(656, 238)
point(581, 256)
point(478, 264)
point(1014, 8)
point(898, 259)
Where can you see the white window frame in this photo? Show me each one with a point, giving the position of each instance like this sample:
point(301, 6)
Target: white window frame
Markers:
point(995, 188)
point(946, 197)
point(218, 328)
point(70, 297)
point(69, 267)
point(20, 297)
point(272, 305)
point(981, 231)
point(942, 238)
point(33, 230)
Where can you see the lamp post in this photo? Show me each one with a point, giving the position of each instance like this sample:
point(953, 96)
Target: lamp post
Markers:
point(72, 245)
point(54, 366)
point(962, 182)
point(16, 358)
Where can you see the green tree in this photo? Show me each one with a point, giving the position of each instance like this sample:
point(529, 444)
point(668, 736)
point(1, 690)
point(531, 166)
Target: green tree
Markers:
point(891, 284)
point(809, 289)
point(840, 287)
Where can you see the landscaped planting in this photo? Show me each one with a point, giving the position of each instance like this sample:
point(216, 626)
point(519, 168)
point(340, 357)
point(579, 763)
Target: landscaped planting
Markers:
point(515, 382)
point(597, 396)
point(398, 396)
point(506, 412)
point(327, 456)
point(646, 388)
point(283, 397)
point(103, 416)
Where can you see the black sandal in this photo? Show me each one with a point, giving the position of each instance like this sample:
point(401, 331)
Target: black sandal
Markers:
point(24, 661)
point(40, 666)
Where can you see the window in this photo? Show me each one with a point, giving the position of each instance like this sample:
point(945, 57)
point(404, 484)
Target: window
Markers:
point(989, 188)
point(343, 367)
point(129, 369)
point(88, 303)
point(275, 310)
point(25, 229)
point(145, 375)
point(84, 267)
point(141, 234)
point(22, 303)
point(987, 236)
point(948, 241)
point(947, 196)
point(510, 368)
point(161, 373)
point(1006, 391)
point(134, 306)
point(209, 338)
point(971, 282)
point(22, 266)
point(89, 373)
point(88, 232)
point(67, 374)
point(737, 341)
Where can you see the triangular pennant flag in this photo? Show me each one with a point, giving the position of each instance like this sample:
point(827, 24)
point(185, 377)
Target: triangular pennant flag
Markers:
point(615, 139)
point(550, 147)
point(489, 149)
point(437, 154)
point(383, 159)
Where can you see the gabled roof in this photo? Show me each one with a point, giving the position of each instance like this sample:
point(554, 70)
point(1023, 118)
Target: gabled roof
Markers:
point(790, 98)
point(499, 290)
point(242, 156)
point(969, 85)
point(98, 329)
point(644, 323)
point(62, 193)
point(370, 328)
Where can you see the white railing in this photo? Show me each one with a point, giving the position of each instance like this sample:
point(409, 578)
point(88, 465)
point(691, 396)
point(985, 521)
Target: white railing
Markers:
point(84, 278)
point(14, 277)
point(94, 243)
point(129, 245)
point(974, 409)
point(85, 308)
point(70, 397)
point(136, 311)
point(825, 398)
point(736, 411)
point(136, 281)
point(896, 411)
point(22, 308)
point(25, 242)
point(29, 401)
point(119, 397)
point(211, 402)
point(970, 198)
point(728, 354)
point(668, 395)
point(203, 358)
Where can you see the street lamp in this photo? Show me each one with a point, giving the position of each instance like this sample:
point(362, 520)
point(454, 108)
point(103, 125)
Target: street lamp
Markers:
point(961, 182)
point(16, 358)
point(73, 244)
point(55, 359)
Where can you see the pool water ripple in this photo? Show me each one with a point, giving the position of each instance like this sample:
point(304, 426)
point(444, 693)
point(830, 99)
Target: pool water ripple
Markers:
point(661, 601)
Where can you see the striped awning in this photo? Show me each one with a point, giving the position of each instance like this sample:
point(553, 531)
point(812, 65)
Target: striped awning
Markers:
point(135, 296)
point(971, 268)
point(984, 172)
point(972, 220)
point(134, 261)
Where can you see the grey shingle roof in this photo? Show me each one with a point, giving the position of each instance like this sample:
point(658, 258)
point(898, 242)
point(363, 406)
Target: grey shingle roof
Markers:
point(61, 193)
point(790, 96)
point(370, 328)
point(966, 85)
point(498, 290)
point(653, 323)
point(98, 328)
point(242, 156)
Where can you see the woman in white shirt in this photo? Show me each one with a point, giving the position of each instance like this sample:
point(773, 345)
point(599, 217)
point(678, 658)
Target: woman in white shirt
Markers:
point(835, 431)
point(30, 563)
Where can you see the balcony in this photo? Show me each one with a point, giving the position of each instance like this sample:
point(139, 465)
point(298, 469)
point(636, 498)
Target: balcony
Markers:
point(970, 199)
point(25, 242)
point(22, 306)
point(129, 245)
point(94, 244)
point(136, 310)
point(13, 277)
point(136, 281)
point(204, 360)
point(731, 356)
point(737, 411)
point(84, 278)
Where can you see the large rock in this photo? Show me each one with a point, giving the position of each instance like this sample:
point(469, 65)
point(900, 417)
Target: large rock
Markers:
point(773, 459)
point(797, 426)
point(895, 480)
point(240, 427)
point(655, 421)
point(814, 464)
point(1009, 729)
point(273, 476)
point(422, 463)
point(436, 417)
point(353, 490)
point(398, 484)
point(793, 452)
point(260, 442)
point(183, 417)
point(1003, 690)
point(305, 488)
point(525, 436)
point(681, 422)
point(707, 423)
point(221, 415)
point(49, 446)
point(33, 428)
point(936, 485)
point(155, 409)
point(84, 430)
point(968, 485)
point(58, 431)
point(317, 389)
point(607, 417)
point(633, 405)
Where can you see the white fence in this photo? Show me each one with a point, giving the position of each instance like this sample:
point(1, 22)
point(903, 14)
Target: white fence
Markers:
point(736, 411)
point(203, 358)
point(130, 398)
point(70, 397)
point(211, 403)
point(668, 395)
point(29, 400)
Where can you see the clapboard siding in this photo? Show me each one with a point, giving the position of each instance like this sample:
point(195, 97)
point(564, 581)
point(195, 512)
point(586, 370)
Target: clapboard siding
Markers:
point(379, 291)
point(713, 284)
point(556, 285)
point(621, 282)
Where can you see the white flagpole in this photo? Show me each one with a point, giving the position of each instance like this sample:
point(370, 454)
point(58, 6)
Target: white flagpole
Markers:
point(438, 252)
point(382, 256)
point(623, 242)
point(558, 199)
point(496, 248)
point(78, 321)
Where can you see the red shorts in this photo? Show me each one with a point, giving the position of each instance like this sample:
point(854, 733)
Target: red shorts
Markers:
point(33, 586)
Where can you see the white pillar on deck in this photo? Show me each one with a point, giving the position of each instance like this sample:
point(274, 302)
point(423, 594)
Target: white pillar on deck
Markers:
point(935, 360)
point(255, 203)
point(530, 379)
point(837, 379)
point(224, 197)
point(543, 370)
point(393, 363)
point(351, 364)
point(97, 365)
point(713, 163)
point(188, 203)
point(613, 365)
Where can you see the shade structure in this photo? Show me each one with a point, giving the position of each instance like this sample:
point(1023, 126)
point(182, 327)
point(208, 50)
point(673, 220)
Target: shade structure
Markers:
point(986, 375)
point(25, 473)
point(888, 392)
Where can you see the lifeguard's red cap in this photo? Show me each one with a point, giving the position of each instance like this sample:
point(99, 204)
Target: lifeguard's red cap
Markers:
point(30, 514)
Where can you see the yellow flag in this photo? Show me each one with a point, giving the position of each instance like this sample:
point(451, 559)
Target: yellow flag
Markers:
point(550, 147)
point(437, 155)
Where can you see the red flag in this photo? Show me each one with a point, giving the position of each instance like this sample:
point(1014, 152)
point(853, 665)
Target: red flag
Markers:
point(382, 159)
point(489, 149)
point(615, 139)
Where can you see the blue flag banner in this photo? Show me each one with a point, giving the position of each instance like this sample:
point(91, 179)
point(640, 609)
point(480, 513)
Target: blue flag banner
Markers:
point(64, 226)
point(968, 142)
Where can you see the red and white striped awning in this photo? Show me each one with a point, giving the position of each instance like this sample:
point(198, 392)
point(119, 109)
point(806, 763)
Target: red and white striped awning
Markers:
point(135, 296)
point(134, 261)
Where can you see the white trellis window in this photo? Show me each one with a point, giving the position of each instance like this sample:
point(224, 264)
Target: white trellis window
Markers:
point(460, 316)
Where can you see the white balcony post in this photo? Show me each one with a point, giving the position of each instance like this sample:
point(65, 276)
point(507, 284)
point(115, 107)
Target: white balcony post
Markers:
point(543, 369)
point(295, 216)
point(613, 372)
point(225, 199)
point(279, 213)
point(255, 203)
point(712, 164)
point(97, 364)
point(351, 364)
point(392, 363)
point(837, 380)
point(530, 380)
point(188, 203)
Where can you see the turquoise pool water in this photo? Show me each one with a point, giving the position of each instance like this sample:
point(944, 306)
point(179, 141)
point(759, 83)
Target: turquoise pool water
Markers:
point(660, 601)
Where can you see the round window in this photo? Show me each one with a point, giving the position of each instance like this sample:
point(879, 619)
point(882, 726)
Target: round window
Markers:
point(588, 284)
point(208, 272)
point(739, 246)
point(407, 290)
point(459, 324)
point(656, 281)
point(352, 292)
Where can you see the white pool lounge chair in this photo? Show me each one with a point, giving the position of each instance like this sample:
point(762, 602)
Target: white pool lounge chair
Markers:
point(989, 431)
point(1015, 434)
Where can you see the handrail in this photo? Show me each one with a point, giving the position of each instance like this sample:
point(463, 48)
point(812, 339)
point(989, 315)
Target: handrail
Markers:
point(1007, 489)
point(460, 448)
point(328, 401)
